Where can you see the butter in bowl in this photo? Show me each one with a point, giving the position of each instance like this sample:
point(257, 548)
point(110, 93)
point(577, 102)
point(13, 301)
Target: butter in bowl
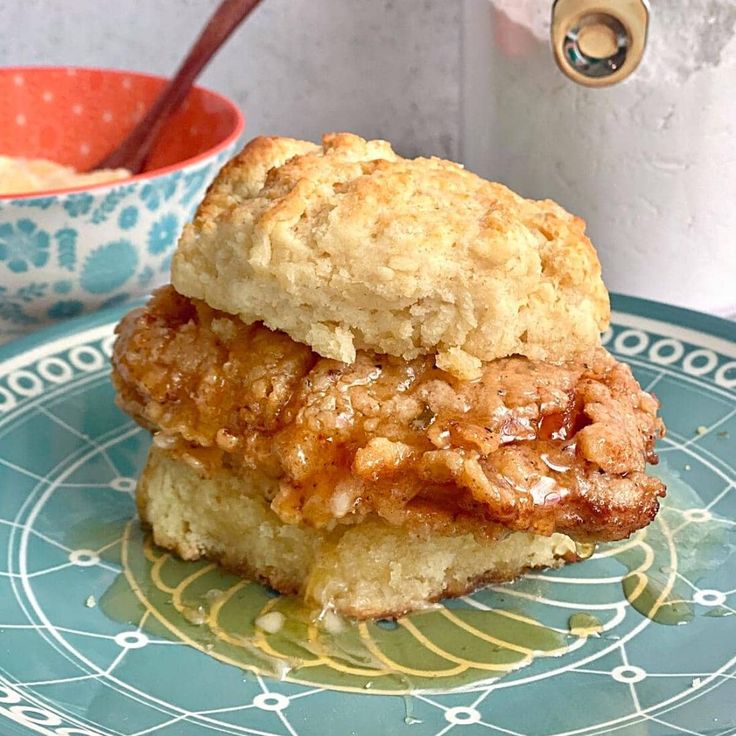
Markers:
point(74, 240)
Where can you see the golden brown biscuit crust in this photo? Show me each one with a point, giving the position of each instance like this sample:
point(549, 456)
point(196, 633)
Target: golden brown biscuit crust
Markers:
point(349, 246)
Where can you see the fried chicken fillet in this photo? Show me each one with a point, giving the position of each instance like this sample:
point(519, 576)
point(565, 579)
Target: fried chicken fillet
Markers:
point(376, 466)
point(529, 447)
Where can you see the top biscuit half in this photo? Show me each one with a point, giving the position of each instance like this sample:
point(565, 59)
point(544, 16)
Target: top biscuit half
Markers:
point(349, 246)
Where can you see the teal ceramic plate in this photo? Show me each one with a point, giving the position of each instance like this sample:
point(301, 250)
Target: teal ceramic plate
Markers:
point(101, 633)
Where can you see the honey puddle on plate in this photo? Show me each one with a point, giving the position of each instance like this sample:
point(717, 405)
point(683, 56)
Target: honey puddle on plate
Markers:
point(471, 640)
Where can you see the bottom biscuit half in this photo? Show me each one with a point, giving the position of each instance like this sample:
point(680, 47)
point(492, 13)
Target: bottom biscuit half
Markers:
point(371, 569)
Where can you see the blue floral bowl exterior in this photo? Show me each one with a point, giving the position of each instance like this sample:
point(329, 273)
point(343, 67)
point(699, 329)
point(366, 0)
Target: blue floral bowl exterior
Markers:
point(65, 254)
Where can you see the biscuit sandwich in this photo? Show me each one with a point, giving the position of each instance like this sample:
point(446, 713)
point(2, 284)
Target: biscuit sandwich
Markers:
point(376, 382)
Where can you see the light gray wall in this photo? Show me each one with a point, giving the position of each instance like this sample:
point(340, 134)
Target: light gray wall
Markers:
point(382, 68)
point(648, 163)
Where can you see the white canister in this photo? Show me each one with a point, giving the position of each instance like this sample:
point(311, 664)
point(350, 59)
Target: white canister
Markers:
point(649, 162)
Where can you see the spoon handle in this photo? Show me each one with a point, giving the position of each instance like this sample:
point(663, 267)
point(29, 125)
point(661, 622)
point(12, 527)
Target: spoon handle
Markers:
point(133, 151)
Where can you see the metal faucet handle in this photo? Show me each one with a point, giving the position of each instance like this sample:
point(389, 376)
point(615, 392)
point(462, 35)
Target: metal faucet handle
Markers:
point(599, 42)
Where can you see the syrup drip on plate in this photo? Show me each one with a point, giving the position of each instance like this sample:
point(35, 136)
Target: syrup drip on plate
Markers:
point(477, 638)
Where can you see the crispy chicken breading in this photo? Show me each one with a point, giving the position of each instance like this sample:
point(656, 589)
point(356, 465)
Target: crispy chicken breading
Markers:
point(529, 446)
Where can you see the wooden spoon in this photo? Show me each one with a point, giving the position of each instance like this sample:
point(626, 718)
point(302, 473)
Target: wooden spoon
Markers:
point(131, 154)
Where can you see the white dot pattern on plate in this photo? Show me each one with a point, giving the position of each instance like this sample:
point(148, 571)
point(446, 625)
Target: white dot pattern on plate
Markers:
point(627, 673)
point(270, 701)
point(131, 639)
point(697, 516)
point(84, 557)
point(124, 485)
point(461, 716)
point(710, 597)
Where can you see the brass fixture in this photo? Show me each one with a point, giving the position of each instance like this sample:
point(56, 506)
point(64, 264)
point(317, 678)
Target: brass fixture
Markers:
point(599, 42)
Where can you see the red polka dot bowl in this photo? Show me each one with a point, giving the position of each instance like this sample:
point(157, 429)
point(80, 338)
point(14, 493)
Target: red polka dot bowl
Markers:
point(65, 252)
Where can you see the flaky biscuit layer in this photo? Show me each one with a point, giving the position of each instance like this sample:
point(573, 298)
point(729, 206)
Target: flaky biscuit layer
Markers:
point(349, 246)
